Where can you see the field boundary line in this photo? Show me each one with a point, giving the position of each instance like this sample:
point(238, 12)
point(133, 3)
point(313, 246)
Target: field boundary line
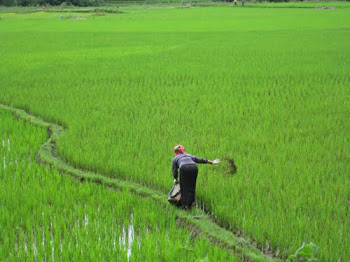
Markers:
point(196, 220)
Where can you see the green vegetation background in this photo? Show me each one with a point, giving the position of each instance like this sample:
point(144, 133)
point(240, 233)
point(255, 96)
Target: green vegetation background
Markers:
point(266, 87)
point(48, 216)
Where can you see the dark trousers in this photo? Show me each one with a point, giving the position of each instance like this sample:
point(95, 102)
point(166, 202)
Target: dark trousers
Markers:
point(188, 178)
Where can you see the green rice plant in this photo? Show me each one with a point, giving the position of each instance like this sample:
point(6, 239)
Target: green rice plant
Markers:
point(267, 87)
point(48, 216)
point(306, 252)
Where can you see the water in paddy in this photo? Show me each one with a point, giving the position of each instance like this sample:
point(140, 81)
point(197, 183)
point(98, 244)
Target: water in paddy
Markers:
point(127, 237)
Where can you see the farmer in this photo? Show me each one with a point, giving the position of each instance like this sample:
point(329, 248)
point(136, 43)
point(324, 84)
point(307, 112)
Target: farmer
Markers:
point(188, 173)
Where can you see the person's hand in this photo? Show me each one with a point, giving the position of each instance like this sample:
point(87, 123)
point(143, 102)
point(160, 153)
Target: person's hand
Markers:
point(216, 161)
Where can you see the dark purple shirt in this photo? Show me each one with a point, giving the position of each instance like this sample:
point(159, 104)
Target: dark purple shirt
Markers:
point(185, 159)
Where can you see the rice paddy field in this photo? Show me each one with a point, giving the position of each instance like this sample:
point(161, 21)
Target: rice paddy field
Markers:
point(267, 88)
point(46, 216)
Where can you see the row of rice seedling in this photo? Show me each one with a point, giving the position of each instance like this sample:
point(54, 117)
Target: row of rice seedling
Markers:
point(266, 90)
point(47, 216)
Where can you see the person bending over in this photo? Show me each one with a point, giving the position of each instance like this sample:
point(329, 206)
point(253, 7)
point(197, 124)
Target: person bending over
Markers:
point(188, 173)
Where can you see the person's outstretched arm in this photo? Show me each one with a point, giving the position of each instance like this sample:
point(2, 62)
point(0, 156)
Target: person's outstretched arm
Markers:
point(200, 160)
point(204, 160)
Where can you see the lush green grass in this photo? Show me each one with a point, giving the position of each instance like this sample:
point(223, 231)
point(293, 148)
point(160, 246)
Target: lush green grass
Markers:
point(267, 87)
point(47, 216)
point(195, 219)
point(300, 4)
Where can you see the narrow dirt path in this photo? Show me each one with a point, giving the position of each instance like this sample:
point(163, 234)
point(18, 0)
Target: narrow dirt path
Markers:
point(197, 220)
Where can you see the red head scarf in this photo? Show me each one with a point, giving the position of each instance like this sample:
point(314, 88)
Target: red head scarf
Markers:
point(179, 149)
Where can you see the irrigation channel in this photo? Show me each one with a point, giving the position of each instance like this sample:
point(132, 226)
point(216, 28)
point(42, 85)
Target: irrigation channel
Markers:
point(201, 223)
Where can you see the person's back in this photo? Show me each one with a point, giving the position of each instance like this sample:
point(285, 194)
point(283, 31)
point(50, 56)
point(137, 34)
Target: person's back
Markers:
point(187, 159)
point(188, 173)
